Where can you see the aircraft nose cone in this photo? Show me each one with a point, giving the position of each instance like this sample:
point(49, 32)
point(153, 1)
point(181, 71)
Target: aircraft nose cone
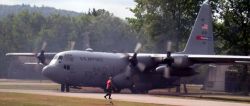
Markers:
point(51, 72)
point(46, 71)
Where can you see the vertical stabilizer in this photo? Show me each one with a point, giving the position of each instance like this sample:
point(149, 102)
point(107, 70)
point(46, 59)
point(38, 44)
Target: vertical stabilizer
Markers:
point(201, 38)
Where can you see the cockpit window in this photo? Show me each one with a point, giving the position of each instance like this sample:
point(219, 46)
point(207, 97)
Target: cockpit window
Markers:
point(60, 57)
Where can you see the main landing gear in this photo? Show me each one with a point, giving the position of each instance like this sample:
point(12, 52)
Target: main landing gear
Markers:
point(117, 90)
point(65, 88)
point(138, 91)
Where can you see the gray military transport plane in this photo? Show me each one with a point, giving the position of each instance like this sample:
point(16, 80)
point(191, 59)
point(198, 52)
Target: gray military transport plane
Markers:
point(138, 72)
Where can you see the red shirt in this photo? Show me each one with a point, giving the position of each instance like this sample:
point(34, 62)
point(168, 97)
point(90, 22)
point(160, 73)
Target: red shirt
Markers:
point(108, 84)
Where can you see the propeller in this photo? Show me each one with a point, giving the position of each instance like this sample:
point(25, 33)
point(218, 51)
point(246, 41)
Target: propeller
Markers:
point(133, 62)
point(168, 60)
point(40, 56)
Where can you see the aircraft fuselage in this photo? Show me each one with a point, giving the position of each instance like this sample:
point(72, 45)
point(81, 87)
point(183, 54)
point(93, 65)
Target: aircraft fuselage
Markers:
point(86, 68)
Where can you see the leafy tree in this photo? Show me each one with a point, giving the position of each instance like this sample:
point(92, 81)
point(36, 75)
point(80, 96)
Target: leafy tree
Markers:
point(165, 20)
point(232, 30)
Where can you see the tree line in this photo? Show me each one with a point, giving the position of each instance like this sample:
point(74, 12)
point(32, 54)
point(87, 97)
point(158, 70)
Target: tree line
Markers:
point(172, 20)
point(97, 29)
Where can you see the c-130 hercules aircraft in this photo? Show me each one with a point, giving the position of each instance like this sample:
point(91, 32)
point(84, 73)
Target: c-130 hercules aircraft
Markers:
point(139, 72)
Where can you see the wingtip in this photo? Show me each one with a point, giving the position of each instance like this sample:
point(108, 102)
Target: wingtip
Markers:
point(7, 54)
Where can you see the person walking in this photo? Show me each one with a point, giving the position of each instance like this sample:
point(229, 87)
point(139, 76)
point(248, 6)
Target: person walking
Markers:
point(108, 88)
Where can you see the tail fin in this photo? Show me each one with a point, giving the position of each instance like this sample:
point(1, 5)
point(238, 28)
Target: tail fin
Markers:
point(201, 38)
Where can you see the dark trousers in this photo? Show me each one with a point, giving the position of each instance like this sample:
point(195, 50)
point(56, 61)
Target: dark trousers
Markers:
point(108, 93)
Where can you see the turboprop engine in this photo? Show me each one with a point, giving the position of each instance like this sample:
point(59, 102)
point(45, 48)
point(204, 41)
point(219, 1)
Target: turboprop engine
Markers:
point(175, 66)
point(181, 62)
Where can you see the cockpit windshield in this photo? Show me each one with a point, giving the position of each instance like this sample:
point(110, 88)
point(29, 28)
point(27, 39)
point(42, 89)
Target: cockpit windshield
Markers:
point(56, 58)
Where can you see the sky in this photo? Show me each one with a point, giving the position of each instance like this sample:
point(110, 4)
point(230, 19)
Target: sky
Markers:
point(119, 8)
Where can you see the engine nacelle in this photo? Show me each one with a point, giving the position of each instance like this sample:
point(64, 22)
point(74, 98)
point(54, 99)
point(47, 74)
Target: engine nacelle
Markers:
point(182, 72)
point(146, 61)
point(181, 62)
point(164, 70)
point(171, 71)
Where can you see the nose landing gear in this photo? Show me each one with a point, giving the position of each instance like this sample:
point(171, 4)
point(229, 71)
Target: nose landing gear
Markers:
point(65, 88)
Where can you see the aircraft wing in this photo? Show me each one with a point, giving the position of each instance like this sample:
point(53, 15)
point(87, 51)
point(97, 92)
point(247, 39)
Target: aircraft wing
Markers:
point(48, 55)
point(227, 59)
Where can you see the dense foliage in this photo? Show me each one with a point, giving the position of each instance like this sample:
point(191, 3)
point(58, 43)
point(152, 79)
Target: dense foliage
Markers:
point(234, 32)
point(173, 19)
point(165, 20)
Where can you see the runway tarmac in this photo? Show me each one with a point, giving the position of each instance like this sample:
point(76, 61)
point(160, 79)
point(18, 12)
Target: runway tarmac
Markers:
point(134, 98)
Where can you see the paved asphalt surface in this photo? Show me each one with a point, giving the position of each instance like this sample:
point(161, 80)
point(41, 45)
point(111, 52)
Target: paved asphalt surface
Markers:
point(134, 98)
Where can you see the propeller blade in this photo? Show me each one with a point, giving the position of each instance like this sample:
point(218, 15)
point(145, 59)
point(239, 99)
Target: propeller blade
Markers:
point(72, 45)
point(141, 66)
point(138, 47)
point(166, 73)
point(44, 45)
point(128, 71)
point(169, 46)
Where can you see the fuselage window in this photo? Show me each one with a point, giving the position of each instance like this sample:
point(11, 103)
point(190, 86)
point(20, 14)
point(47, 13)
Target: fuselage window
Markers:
point(66, 67)
point(60, 58)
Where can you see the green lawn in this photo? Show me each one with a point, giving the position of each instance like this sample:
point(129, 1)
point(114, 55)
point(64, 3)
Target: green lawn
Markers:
point(19, 99)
